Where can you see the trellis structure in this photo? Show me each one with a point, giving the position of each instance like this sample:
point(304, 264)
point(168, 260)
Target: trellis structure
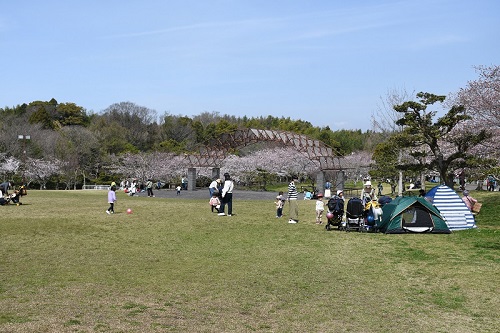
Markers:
point(218, 149)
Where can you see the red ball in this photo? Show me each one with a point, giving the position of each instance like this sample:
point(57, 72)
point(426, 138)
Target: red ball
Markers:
point(129, 211)
point(329, 215)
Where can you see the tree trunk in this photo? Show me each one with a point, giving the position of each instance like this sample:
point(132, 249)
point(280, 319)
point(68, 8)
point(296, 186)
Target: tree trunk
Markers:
point(449, 180)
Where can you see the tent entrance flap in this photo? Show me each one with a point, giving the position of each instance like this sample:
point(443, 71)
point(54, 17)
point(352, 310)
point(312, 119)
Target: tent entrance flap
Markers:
point(417, 219)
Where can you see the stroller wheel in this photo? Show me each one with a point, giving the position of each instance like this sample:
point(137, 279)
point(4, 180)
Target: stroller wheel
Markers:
point(327, 227)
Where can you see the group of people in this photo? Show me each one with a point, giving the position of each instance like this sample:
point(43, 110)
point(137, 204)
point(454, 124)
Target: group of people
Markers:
point(14, 197)
point(221, 195)
point(132, 187)
point(368, 195)
point(293, 206)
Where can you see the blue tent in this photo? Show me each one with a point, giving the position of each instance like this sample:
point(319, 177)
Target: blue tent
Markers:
point(452, 208)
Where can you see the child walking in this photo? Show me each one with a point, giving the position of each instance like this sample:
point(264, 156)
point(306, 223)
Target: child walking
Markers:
point(111, 200)
point(280, 202)
point(320, 208)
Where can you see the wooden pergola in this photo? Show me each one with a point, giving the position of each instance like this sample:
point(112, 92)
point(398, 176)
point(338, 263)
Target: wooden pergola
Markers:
point(218, 149)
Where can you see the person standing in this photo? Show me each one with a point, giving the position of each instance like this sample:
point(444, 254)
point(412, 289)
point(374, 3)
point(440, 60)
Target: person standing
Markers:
point(227, 196)
point(280, 202)
point(368, 193)
point(320, 208)
point(491, 183)
point(149, 187)
point(461, 179)
point(178, 189)
point(292, 201)
point(328, 187)
point(380, 189)
point(393, 187)
point(111, 200)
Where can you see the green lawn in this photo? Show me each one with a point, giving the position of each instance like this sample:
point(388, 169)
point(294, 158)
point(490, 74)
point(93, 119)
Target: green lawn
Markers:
point(172, 266)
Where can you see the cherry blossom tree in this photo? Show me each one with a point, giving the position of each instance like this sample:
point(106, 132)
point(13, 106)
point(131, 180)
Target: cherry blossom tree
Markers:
point(275, 161)
point(158, 166)
point(41, 170)
point(481, 99)
point(168, 167)
point(9, 166)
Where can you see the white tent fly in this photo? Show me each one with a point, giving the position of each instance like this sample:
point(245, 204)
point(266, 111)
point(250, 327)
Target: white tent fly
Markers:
point(456, 214)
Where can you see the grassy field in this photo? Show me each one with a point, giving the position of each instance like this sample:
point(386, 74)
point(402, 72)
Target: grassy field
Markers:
point(172, 266)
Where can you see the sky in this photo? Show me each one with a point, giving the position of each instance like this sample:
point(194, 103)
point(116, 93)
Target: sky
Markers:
point(328, 62)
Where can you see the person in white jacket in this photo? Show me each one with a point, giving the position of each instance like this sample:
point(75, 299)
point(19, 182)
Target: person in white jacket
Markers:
point(227, 196)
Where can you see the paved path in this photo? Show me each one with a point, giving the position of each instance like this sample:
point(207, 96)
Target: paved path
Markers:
point(204, 194)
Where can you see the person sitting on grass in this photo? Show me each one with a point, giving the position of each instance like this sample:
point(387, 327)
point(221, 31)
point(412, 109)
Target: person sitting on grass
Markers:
point(468, 200)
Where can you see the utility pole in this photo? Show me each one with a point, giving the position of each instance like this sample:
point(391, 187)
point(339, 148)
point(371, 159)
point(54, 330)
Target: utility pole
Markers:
point(24, 138)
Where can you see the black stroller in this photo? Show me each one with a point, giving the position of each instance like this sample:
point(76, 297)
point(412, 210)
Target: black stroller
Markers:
point(355, 216)
point(335, 213)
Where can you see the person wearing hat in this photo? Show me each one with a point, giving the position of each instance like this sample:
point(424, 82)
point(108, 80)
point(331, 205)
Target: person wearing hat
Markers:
point(368, 193)
point(320, 208)
point(468, 200)
point(339, 195)
point(213, 187)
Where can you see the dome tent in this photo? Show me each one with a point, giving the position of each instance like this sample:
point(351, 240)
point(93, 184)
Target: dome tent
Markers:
point(412, 214)
point(452, 208)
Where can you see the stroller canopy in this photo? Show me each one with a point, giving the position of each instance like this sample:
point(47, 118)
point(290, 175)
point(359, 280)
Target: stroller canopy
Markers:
point(412, 214)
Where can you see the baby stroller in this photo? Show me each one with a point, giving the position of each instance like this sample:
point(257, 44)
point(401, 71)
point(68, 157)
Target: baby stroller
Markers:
point(355, 218)
point(335, 213)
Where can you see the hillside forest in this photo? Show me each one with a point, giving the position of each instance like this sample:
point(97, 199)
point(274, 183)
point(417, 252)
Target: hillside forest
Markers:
point(51, 144)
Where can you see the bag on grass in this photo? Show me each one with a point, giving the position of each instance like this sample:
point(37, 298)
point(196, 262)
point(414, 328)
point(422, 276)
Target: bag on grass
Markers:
point(477, 207)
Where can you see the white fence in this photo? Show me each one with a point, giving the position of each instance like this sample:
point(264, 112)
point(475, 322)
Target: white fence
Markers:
point(96, 187)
